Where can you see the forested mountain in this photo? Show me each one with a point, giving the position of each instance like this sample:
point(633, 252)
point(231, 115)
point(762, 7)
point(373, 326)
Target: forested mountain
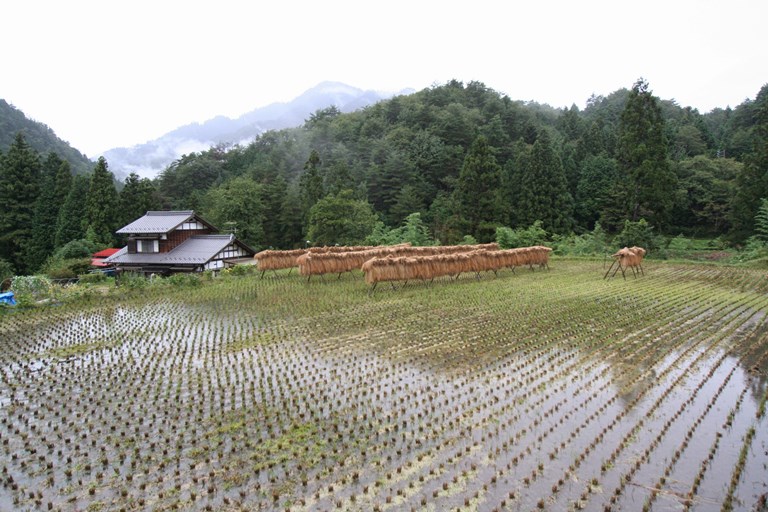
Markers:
point(469, 159)
point(40, 137)
point(454, 161)
point(150, 158)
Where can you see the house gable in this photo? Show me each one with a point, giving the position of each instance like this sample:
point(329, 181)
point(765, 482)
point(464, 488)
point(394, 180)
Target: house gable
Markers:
point(163, 231)
point(231, 253)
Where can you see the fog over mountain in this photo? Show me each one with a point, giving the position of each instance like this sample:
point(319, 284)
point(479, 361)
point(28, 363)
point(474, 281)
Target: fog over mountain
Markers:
point(150, 158)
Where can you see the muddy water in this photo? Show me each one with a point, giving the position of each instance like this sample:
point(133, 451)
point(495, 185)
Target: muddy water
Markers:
point(180, 407)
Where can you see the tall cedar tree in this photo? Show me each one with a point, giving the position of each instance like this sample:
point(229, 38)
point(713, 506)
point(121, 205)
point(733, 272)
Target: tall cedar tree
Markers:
point(47, 209)
point(71, 222)
point(19, 187)
point(101, 205)
point(137, 198)
point(752, 182)
point(311, 184)
point(477, 190)
point(543, 193)
point(290, 219)
point(648, 184)
point(598, 176)
point(273, 191)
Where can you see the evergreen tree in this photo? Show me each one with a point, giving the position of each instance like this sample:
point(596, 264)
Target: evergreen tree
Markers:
point(387, 178)
point(570, 124)
point(477, 190)
point(293, 228)
point(311, 183)
point(752, 182)
point(597, 179)
point(63, 183)
point(593, 140)
point(137, 198)
point(19, 188)
point(71, 222)
point(761, 221)
point(407, 202)
point(46, 212)
point(706, 187)
point(338, 178)
point(544, 192)
point(648, 184)
point(511, 177)
point(443, 218)
point(273, 192)
point(101, 205)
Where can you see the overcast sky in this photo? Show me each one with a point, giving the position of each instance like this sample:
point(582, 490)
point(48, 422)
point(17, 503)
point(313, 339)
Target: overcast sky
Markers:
point(104, 74)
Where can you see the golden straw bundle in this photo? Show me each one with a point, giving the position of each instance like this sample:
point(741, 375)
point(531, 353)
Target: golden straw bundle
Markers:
point(276, 260)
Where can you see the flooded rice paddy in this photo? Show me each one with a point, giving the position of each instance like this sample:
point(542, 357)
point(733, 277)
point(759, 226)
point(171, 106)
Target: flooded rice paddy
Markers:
point(546, 390)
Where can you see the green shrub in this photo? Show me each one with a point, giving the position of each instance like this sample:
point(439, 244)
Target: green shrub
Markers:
point(754, 251)
point(639, 234)
point(239, 270)
point(36, 287)
point(413, 230)
point(184, 280)
point(594, 243)
point(76, 249)
point(132, 280)
point(66, 268)
point(509, 238)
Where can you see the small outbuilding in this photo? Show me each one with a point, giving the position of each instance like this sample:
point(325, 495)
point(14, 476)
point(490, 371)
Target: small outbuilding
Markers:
point(98, 258)
point(168, 242)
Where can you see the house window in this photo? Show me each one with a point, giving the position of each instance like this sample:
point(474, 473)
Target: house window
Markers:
point(147, 246)
point(191, 225)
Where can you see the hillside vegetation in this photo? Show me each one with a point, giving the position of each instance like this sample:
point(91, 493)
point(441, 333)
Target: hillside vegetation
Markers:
point(465, 159)
point(469, 160)
point(40, 137)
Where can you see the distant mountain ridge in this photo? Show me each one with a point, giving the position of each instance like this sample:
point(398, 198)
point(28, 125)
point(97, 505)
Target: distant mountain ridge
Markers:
point(39, 137)
point(148, 159)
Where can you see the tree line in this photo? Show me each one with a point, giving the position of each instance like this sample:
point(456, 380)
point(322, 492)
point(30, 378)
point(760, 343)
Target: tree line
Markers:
point(45, 208)
point(470, 160)
point(465, 158)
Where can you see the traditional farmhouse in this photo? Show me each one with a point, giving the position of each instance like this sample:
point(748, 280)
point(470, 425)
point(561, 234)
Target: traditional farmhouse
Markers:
point(167, 242)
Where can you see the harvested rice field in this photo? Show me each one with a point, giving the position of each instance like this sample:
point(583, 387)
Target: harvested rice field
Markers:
point(533, 390)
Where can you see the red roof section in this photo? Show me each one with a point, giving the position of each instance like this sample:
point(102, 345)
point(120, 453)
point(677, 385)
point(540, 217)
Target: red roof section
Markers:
point(105, 253)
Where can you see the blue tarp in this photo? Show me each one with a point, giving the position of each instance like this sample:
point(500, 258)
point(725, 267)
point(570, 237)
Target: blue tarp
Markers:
point(7, 298)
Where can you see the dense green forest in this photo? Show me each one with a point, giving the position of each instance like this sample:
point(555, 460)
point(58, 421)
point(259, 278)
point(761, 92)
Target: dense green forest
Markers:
point(454, 161)
point(39, 136)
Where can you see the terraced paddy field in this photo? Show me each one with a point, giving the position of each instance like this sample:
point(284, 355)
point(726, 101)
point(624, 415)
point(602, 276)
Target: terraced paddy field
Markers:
point(546, 390)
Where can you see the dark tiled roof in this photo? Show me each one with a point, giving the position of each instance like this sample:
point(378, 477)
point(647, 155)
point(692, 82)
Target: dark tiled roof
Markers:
point(157, 222)
point(196, 250)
